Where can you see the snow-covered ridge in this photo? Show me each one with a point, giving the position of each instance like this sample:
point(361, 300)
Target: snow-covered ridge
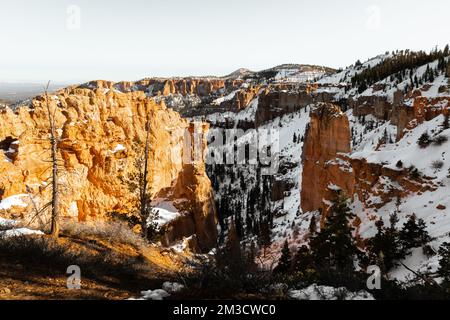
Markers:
point(344, 77)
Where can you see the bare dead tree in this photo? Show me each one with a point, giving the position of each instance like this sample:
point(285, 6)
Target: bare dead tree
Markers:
point(426, 278)
point(144, 183)
point(54, 231)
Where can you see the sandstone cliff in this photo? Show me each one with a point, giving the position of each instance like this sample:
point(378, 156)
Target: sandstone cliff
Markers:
point(330, 166)
point(324, 162)
point(102, 134)
point(422, 109)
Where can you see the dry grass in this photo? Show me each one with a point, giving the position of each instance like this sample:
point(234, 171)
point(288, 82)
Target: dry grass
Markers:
point(39, 251)
point(113, 260)
point(110, 231)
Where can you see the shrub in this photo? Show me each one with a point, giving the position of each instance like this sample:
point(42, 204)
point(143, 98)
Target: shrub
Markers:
point(437, 165)
point(444, 262)
point(48, 254)
point(7, 226)
point(440, 140)
point(111, 231)
point(428, 251)
point(414, 172)
point(446, 122)
point(385, 248)
point(424, 140)
point(399, 164)
point(414, 233)
point(209, 280)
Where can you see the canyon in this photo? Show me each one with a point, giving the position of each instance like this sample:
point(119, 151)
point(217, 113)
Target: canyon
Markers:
point(101, 134)
point(331, 138)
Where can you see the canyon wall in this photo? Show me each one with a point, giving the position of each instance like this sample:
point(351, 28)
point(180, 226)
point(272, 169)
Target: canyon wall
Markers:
point(102, 137)
point(329, 168)
point(161, 86)
point(325, 166)
point(422, 109)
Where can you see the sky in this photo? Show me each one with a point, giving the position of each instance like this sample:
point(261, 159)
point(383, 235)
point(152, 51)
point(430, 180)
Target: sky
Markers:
point(81, 40)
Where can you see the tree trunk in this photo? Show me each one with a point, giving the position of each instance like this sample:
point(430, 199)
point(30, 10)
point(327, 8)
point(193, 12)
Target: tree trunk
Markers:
point(54, 153)
point(55, 191)
point(144, 198)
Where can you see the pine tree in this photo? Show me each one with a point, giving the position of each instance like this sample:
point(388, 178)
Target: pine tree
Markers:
point(414, 233)
point(431, 76)
point(55, 216)
point(238, 221)
point(285, 262)
point(444, 262)
point(312, 226)
point(334, 247)
point(424, 140)
point(230, 257)
point(303, 260)
point(265, 236)
point(250, 257)
point(294, 139)
point(446, 122)
point(385, 247)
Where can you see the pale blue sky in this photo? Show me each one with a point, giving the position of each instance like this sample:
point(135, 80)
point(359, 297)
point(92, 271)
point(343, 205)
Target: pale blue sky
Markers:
point(129, 40)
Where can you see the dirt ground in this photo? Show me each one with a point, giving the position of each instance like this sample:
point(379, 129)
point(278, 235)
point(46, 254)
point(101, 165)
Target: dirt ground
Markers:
point(41, 281)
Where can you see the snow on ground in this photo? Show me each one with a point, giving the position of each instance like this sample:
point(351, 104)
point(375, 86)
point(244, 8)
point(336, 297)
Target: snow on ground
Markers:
point(168, 288)
point(228, 97)
point(158, 294)
point(182, 245)
point(248, 114)
point(295, 75)
point(339, 83)
point(391, 86)
point(345, 76)
point(423, 205)
point(13, 201)
point(5, 223)
point(119, 148)
point(19, 232)
point(9, 228)
point(374, 140)
point(408, 151)
point(368, 131)
point(281, 131)
point(315, 292)
point(165, 210)
point(292, 152)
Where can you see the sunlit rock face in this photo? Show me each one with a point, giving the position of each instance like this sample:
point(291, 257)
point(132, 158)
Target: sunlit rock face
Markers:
point(325, 165)
point(102, 139)
point(330, 166)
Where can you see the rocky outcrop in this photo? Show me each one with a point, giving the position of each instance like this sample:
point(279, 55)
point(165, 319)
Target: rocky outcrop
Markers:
point(280, 99)
point(244, 97)
point(167, 86)
point(376, 184)
point(407, 117)
point(329, 168)
point(325, 165)
point(274, 102)
point(377, 106)
point(102, 134)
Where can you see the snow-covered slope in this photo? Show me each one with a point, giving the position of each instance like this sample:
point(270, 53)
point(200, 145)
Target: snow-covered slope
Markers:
point(345, 76)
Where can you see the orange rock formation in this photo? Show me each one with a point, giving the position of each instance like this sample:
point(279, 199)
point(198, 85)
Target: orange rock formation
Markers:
point(102, 134)
point(324, 163)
